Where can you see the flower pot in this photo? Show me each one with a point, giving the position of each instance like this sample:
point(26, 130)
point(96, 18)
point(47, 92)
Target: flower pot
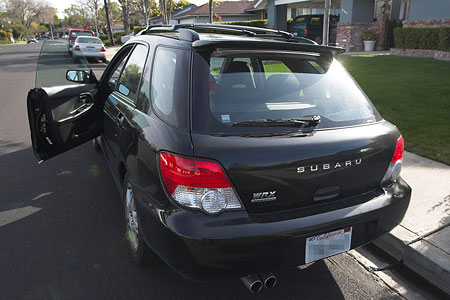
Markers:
point(369, 45)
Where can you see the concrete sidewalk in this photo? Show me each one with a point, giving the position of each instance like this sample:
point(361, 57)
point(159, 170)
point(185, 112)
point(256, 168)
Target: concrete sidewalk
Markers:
point(110, 52)
point(422, 240)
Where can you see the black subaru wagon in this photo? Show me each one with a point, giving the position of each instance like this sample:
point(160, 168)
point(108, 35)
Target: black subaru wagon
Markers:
point(238, 152)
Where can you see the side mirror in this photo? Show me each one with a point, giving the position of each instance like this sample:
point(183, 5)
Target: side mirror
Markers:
point(81, 76)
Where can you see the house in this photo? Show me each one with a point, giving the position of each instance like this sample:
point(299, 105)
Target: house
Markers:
point(225, 11)
point(177, 12)
point(419, 13)
point(358, 16)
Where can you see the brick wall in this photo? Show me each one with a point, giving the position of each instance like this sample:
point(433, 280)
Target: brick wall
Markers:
point(349, 34)
point(436, 54)
point(426, 23)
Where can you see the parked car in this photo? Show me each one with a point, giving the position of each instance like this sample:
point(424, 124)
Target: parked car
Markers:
point(74, 33)
point(311, 27)
point(31, 39)
point(235, 156)
point(88, 47)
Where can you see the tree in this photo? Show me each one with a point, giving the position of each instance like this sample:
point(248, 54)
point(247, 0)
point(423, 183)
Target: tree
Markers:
point(125, 6)
point(77, 16)
point(114, 12)
point(166, 10)
point(145, 8)
point(93, 5)
point(27, 11)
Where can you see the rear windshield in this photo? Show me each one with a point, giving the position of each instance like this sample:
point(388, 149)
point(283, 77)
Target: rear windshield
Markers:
point(80, 33)
point(238, 86)
point(87, 40)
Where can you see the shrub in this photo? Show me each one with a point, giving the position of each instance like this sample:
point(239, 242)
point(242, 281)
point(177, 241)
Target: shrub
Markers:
point(423, 38)
point(252, 23)
point(136, 29)
point(103, 37)
point(369, 36)
point(116, 37)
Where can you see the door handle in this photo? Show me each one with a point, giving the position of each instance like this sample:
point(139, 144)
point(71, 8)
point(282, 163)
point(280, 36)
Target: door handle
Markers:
point(120, 119)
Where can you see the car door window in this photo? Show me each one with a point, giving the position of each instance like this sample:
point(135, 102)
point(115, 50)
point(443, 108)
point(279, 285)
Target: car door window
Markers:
point(118, 69)
point(169, 85)
point(131, 74)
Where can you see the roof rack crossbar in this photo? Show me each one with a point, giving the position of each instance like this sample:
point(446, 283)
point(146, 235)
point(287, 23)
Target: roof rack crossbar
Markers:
point(247, 30)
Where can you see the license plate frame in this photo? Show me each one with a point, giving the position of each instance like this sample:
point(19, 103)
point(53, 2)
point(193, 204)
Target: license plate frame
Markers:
point(328, 244)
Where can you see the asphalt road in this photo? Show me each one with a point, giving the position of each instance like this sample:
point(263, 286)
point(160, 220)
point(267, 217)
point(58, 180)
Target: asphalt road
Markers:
point(61, 225)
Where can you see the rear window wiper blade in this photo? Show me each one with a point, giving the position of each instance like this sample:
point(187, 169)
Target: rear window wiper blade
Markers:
point(293, 122)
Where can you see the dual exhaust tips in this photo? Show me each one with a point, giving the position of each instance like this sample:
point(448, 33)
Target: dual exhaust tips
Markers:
point(255, 283)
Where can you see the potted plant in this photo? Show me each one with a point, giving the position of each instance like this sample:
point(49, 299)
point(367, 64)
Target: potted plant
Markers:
point(369, 38)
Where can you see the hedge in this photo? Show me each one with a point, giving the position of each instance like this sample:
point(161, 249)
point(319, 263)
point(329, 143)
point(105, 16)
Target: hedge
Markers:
point(252, 23)
point(136, 29)
point(422, 38)
point(116, 37)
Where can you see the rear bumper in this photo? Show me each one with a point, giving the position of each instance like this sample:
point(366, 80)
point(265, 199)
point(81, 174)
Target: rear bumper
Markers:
point(89, 54)
point(233, 244)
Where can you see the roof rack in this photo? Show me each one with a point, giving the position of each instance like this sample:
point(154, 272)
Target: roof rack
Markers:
point(187, 34)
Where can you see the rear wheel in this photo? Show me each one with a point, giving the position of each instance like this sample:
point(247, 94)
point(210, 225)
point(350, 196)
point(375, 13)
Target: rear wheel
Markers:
point(141, 254)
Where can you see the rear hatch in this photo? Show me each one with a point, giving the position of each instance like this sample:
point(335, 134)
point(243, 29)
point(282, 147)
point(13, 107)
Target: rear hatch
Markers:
point(251, 110)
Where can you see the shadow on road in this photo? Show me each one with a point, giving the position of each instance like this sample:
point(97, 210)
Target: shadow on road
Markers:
point(61, 228)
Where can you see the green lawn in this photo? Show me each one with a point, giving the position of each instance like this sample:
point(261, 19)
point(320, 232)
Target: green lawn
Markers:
point(412, 93)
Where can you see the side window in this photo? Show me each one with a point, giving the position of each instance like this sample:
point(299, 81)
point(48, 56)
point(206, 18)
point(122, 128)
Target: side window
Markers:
point(131, 74)
point(116, 74)
point(169, 86)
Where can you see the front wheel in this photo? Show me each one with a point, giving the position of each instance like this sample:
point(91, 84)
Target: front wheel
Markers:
point(141, 254)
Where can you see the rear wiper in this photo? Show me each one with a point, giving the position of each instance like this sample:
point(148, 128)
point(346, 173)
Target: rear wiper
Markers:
point(298, 122)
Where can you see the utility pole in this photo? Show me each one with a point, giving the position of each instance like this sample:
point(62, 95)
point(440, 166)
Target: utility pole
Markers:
point(326, 23)
point(210, 11)
point(109, 24)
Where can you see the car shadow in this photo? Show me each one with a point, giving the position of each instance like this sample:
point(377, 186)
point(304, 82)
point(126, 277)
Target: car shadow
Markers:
point(62, 234)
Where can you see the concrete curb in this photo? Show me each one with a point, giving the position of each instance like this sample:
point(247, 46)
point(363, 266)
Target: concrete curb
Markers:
point(422, 240)
point(422, 257)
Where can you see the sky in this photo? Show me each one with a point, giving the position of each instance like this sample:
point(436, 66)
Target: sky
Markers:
point(62, 4)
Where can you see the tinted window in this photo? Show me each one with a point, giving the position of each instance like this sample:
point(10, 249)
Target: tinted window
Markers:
point(80, 33)
point(88, 40)
point(289, 85)
point(169, 87)
point(131, 74)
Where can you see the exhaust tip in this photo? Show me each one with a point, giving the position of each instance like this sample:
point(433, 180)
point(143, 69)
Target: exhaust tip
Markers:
point(256, 287)
point(253, 283)
point(269, 280)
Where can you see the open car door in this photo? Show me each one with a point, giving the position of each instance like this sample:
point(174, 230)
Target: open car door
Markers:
point(62, 115)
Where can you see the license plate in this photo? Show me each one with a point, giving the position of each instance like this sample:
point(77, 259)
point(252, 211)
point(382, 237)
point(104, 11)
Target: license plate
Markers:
point(90, 49)
point(328, 244)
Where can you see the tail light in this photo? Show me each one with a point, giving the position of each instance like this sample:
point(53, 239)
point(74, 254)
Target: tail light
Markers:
point(305, 31)
point(103, 49)
point(333, 31)
point(77, 48)
point(197, 183)
point(395, 167)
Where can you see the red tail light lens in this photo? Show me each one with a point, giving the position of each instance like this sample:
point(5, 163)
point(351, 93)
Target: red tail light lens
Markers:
point(103, 49)
point(77, 48)
point(197, 183)
point(399, 148)
point(395, 167)
point(305, 31)
point(177, 170)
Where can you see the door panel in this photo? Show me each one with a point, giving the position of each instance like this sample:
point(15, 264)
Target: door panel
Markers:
point(62, 118)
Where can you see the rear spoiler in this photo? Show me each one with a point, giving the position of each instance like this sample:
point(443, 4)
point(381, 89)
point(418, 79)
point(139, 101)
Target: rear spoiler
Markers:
point(265, 44)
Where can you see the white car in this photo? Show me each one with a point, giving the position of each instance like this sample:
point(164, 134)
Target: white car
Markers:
point(88, 47)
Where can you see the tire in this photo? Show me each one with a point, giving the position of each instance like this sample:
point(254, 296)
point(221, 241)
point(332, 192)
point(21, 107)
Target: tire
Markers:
point(96, 144)
point(138, 249)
